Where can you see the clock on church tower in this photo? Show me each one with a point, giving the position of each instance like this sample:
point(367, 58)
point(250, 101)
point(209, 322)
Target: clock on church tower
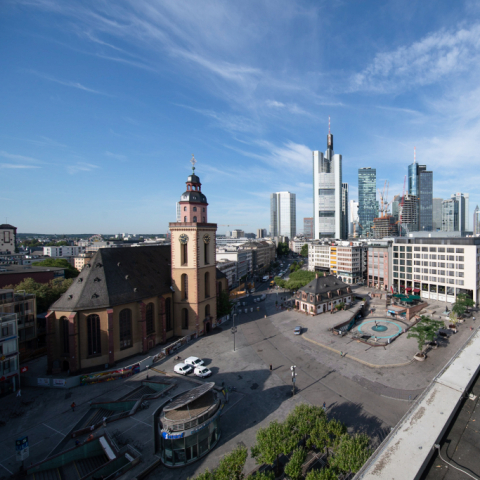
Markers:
point(193, 262)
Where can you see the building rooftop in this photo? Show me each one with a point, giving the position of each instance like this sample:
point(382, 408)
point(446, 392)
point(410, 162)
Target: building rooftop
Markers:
point(9, 269)
point(323, 285)
point(115, 276)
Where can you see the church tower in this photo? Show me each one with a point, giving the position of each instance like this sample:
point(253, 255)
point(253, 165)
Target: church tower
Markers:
point(193, 262)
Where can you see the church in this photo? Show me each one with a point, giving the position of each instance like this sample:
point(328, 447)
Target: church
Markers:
point(128, 300)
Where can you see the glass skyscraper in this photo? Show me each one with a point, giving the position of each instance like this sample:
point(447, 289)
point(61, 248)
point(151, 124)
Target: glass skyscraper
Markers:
point(283, 214)
point(420, 185)
point(367, 199)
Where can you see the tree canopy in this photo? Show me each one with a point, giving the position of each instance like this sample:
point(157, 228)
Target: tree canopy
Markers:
point(461, 304)
point(304, 250)
point(70, 271)
point(282, 249)
point(224, 305)
point(46, 293)
point(425, 330)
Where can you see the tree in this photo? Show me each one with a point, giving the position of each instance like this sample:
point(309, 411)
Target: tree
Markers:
point(62, 243)
point(282, 249)
point(304, 250)
point(272, 441)
point(206, 475)
point(326, 473)
point(462, 303)
point(351, 454)
point(301, 420)
point(280, 282)
point(299, 279)
point(224, 305)
point(70, 271)
point(293, 469)
point(231, 466)
point(46, 293)
point(425, 330)
point(262, 476)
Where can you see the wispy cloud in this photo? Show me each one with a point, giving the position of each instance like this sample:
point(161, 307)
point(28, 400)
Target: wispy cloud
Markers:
point(116, 156)
point(81, 167)
point(17, 165)
point(23, 158)
point(427, 61)
point(67, 83)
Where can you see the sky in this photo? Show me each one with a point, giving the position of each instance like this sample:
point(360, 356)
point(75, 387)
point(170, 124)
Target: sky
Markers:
point(104, 102)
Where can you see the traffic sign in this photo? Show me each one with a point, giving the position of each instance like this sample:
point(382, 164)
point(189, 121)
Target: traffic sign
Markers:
point(234, 329)
point(24, 369)
point(22, 448)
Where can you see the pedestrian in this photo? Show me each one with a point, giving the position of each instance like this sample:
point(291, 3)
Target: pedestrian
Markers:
point(19, 393)
point(324, 406)
point(73, 405)
point(271, 367)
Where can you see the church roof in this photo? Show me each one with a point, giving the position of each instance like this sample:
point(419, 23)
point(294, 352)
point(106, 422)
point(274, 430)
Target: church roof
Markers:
point(220, 274)
point(115, 276)
point(6, 226)
point(324, 285)
point(194, 196)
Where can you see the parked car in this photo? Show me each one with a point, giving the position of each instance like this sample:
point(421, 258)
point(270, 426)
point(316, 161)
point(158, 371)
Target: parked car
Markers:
point(202, 372)
point(194, 361)
point(297, 330)
point(182, 369)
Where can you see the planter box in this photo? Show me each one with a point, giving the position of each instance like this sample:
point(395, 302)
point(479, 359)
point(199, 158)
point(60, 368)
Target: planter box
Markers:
point(419, 358)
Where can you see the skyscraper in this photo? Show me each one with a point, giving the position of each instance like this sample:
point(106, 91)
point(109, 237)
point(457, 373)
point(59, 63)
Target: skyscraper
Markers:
point(476, 221)
point(308, 227)
point(352, 215)
point(367, 203)
point(467, 211)
point(327, 192)
point(344, 234)
point(283, 214)
point(454, 213)
point(420, 184)
point(437, 214)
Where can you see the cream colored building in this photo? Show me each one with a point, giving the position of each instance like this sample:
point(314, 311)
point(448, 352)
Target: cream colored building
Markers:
point(8, 236)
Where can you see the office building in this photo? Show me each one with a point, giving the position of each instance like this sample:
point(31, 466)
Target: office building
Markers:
point(408, 213)
point(327, 193)
point(420, 185)
point(283, 214)
point(378, 266)
point(261, 232)
point(454, 213)
point(352, 217)
point(8, 238)
point(476, 221)
point(238, 233)
point(437, 268)
point(437, 214)
point(308, 228)
point(344, 234)
point(367, 199)
point(9, 358)
point(468, 228)
point(385, 227)
point(397, 199)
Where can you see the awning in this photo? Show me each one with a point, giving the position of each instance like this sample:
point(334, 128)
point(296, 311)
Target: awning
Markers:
point(408, 289)
point(392, 311)
point(416, 290)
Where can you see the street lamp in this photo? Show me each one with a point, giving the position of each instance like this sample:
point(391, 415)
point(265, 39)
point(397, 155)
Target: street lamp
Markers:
point(234, 331)
point(292, 368)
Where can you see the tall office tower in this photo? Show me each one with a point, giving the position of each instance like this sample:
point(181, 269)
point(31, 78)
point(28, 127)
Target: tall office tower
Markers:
point(420, 184)
point(453, 213)
point(327, 192)
point(283, 214)
point(179, 212)
point(344, 211)
point(437, 214)
point(261, 232)
point(476, 221)
point(367, 199)
point(397, 199)
point(409, 213)
point(352, 215)
point(308, 227)
point(237, 233)
point(467, 211)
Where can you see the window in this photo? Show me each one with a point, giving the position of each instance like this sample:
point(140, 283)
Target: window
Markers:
point(203, 219)
point(205, 253)
point(184, 209)
point(184, 286)
point(125, 324)
point(64, 325)
point(203, 208)
point(184, 250)
point(194, 209)
point(207, 311)
point(460, 250)
point(450, 250)
point(207, 284)
point(150, 318)
point(194, 219)
point(93, 335)
point(168, 314)
point(184, 318)
point(184, 219)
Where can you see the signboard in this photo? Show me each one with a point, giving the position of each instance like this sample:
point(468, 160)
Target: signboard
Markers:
point(43, 382)
point(22, 449)
point(59, 382)
point(24, 369)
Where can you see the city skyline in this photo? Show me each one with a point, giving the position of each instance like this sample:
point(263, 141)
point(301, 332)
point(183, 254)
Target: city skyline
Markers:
point(105, 103)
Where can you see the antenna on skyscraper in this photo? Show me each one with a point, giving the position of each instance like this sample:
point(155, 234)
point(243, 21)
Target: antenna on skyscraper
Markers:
point(329, 124)
point(414, 154)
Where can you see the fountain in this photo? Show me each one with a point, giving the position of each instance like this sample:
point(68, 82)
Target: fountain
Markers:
point(379, 328)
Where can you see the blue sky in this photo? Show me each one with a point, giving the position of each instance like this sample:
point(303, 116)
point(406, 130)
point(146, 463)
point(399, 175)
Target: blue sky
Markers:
point(104, 102)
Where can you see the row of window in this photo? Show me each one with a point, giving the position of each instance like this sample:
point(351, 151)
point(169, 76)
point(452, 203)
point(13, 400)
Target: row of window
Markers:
point(184, 286)
point(402, 248)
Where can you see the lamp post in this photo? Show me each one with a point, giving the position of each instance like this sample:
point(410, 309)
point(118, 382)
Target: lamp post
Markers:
point(234, 331)
point(292, 368)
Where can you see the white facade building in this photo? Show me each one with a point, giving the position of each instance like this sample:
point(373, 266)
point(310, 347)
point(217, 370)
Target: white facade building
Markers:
point(283, 214)
point(327, 193)
point(437, 268)
point(352, 215)
point(318, 256)
point(229, 268)
point(65, 251)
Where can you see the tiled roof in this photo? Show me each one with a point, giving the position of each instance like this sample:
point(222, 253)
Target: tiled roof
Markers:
point(115, 276)
point(323, 285)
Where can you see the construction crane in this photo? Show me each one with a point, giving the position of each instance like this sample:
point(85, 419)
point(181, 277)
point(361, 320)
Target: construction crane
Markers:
point(384, 203)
